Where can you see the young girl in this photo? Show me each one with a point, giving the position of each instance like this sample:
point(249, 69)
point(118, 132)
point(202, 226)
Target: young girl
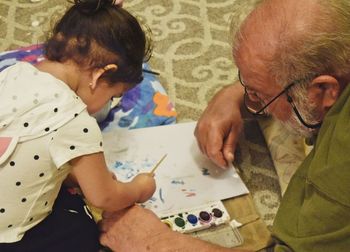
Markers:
point(46, 132)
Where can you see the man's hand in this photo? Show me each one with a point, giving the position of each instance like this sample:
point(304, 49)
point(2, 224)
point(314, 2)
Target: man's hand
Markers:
point(139, 229)
point(132, 229)
point(218, 129)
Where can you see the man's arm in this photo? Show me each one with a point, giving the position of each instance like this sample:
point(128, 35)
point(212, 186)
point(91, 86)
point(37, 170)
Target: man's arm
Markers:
point(139, 229)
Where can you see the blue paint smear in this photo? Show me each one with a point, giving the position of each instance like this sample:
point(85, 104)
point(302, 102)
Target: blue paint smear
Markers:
point(125, 170)
point(160, 195)
point(118, 164)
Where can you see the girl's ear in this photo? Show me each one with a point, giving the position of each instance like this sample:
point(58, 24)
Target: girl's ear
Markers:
point(96, 74)
point(325, 89)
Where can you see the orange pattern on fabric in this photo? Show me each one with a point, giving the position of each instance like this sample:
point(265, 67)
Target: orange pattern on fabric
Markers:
point(163, 105)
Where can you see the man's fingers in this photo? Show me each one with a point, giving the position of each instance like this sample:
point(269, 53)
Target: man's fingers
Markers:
point(103, 226)
point(219, 160)
point(103, 239)
point(106, 239)
point(106, 214)
point(113, 215)
point(214, 149)
point(201, 138)
point(229, 147)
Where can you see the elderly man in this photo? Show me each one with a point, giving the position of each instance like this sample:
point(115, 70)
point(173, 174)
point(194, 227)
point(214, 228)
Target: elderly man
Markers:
point(293, 58)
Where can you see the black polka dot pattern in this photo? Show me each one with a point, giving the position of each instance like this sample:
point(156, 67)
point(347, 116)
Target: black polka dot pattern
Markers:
point(36, 159)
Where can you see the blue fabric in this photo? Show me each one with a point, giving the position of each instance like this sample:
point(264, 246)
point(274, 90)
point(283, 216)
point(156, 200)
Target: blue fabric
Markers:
point(143, 106)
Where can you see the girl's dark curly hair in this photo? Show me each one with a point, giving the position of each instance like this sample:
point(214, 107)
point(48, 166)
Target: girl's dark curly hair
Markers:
point(95, 33)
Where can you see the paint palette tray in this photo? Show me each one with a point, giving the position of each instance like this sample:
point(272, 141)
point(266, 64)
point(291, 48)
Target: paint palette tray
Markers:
point(198, 218)
point(225, 235)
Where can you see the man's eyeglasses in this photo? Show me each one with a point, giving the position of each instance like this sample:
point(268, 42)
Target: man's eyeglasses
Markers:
point(256, 106)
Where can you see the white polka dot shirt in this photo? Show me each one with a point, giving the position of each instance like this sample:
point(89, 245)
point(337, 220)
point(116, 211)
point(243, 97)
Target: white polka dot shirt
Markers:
point(47, 125)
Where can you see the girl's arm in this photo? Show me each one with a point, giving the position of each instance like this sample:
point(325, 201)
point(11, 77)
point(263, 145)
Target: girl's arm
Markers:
point(102, 190)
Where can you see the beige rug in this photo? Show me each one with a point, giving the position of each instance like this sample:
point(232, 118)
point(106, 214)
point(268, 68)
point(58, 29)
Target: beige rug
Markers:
point(193, 55)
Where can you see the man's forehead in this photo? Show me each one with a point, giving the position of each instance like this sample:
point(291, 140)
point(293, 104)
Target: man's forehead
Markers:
point(275, 20)
point(251, 59)
point(254, 70)
point(256, 42)
point(266, 29)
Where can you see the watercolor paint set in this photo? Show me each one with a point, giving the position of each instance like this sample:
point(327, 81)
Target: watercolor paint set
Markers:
point(198, 218)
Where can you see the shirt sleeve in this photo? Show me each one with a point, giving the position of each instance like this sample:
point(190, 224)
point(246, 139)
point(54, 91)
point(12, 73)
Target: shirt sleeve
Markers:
point(80, 136)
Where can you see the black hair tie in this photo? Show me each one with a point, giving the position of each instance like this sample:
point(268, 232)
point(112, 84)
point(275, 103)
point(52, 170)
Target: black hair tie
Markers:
point(92, 6)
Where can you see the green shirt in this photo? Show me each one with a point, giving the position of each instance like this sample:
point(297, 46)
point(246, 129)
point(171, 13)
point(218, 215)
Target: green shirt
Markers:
point(315, 211)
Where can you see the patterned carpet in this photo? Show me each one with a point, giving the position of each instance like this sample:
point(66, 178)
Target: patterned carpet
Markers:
point(192, 53)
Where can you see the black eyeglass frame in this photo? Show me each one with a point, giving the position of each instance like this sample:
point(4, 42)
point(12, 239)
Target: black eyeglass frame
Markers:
point(261, 112)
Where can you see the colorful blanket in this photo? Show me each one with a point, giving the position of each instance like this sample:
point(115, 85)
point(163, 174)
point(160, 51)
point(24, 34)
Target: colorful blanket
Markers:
point(143, 106)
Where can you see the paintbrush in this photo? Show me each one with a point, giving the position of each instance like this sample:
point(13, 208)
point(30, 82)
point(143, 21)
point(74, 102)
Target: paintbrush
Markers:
point(156, 166)
point(150, 72)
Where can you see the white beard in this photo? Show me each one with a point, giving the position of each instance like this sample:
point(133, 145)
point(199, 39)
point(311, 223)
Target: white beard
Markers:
point(294, 126)
point(309, 113)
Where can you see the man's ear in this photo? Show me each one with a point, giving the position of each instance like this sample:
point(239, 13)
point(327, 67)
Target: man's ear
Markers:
point(96, 74)
point(324, 89)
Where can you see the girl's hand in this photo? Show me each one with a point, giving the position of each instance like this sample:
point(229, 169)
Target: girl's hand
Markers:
point(114, 177)
point(146, 184)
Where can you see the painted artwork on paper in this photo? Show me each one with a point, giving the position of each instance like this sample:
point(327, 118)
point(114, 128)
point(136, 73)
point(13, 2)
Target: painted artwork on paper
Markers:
point(185, 178)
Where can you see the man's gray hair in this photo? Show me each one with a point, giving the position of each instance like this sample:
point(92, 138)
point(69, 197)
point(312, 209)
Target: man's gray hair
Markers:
point(321, 47)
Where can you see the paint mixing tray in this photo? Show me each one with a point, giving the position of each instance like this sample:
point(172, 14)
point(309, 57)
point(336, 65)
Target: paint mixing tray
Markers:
point(197, 218)
point(227, 236)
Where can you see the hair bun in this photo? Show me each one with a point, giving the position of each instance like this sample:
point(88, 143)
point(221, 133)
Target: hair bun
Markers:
point(92, 6)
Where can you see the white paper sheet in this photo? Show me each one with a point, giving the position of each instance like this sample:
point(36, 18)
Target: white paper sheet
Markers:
point(185, 179)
